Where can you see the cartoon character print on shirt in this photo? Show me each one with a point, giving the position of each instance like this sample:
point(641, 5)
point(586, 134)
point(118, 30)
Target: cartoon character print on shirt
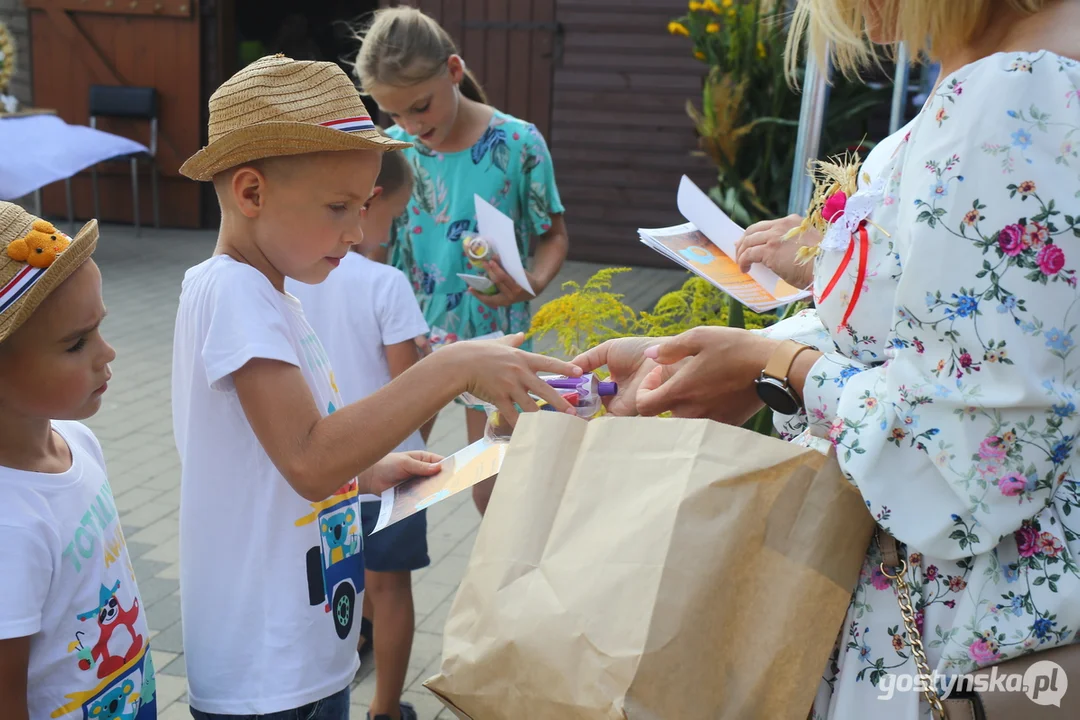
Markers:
point(130, 695)
point(110, 617)
point(112, 705)
point(338, 531)
point(110, 646)
point(335, 567)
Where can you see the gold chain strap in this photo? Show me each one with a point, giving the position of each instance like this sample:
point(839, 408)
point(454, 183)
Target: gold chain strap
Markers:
point(907, 610)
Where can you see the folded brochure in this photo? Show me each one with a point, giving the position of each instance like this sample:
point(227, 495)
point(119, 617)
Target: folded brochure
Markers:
point(706, 247)
point(460, 471)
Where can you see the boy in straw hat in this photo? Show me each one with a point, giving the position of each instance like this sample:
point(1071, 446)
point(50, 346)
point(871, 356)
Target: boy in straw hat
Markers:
point(73, 637)
point(273, 465)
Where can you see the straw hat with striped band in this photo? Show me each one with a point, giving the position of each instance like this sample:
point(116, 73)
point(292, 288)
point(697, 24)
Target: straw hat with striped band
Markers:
point(23, 285)
point(278, 106)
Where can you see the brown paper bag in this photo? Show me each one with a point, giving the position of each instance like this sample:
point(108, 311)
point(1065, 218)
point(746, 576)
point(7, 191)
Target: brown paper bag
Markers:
point(652, 569)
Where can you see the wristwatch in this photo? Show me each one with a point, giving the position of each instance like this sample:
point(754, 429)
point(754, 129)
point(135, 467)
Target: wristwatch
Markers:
point(773, 387)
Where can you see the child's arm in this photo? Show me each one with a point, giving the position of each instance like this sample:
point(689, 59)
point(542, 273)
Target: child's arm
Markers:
point(14, 665)
point(318, 455)
point(400, 357)
point(550, 254)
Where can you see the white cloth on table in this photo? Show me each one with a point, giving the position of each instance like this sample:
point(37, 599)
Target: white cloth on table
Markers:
point(42, 149)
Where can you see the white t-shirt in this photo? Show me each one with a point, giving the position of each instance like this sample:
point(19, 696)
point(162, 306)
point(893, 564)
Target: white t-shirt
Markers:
point(270, 583)
point(68, 583)
point(362, 307)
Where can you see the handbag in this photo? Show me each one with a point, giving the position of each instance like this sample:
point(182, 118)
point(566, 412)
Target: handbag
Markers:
point(974, 703)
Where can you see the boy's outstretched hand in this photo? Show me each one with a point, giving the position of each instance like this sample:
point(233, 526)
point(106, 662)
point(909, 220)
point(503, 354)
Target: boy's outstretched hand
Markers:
point(396, 468)
point(498, 373)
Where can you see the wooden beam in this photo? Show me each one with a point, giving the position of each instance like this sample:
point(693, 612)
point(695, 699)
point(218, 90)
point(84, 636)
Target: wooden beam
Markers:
point(157, 8)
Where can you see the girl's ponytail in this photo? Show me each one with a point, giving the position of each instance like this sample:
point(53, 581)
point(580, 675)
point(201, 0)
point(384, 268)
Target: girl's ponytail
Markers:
point(471, 88)
point(402, 46)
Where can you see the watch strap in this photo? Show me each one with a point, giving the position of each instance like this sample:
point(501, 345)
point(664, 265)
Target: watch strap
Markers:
point(782, 360)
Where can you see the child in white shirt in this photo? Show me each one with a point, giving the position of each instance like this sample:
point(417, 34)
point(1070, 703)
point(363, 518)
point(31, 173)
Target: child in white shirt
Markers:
point(73, 637)
point(368, 320)
point(273, 462)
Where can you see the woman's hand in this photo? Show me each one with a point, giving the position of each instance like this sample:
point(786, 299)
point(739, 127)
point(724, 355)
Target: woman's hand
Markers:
point(396, 468)
point(497, 372)
point(764, 243)
point(625, 359)
point(715, 369)
point(510, 293)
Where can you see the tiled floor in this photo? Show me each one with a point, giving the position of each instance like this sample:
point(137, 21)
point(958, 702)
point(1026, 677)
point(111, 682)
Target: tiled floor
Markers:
point(142, 282)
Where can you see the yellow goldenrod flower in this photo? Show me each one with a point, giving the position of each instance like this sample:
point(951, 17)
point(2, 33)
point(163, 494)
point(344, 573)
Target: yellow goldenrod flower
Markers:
point(699, 55)
point(728, 3)
point(760, 49)
point(712, 27)
point(677, 28)
point(695, 6)
point(710, 6)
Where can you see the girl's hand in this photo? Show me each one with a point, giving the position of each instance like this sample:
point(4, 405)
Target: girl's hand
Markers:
point(625, 360)
point(715, 377)
point(396, 468)
point(497, 372)
point(764, 243)
point(510, 293)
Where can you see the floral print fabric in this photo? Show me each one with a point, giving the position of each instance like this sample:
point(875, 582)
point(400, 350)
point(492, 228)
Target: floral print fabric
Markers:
point(951, 393)
point(510, 167)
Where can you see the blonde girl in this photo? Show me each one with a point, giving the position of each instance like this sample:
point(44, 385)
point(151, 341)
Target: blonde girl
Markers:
point(462, 146)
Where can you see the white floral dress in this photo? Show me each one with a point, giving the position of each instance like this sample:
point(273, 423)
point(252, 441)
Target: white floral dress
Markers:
point(951, 393)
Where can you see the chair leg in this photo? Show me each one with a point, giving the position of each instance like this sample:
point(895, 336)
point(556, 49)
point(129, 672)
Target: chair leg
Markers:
point(94, 191)
point(135, 193)
point(37, 202)
point(154, 192)
point(70, 206)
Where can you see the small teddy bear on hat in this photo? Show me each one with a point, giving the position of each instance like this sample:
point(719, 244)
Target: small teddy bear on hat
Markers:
point(40, 246)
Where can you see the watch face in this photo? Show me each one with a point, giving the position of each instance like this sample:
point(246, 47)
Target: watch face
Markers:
point(777, 396)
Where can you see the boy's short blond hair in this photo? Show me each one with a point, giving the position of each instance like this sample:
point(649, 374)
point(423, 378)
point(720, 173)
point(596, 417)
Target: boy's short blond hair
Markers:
point(835, 29)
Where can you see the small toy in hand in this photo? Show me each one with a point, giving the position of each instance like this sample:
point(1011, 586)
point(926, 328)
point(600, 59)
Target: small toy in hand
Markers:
point(478, 251)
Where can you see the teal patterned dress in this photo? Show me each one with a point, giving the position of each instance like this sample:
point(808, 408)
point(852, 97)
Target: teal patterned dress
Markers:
point(510, 167)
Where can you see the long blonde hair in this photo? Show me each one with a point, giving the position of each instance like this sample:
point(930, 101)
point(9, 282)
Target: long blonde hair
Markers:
point(402, 47)
point(836, 30)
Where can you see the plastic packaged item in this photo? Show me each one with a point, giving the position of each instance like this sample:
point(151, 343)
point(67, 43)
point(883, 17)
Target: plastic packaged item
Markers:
point(478, 251)
point(585, 394)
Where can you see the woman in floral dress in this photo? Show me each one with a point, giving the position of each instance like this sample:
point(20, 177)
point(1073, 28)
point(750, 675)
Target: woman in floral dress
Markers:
point(945, 371)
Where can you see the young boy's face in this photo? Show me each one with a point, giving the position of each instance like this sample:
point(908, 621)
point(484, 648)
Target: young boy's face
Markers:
point(56, 365)
point(385, 208)
point(310, 210)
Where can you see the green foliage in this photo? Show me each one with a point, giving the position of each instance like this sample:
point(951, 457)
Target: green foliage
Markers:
point(695, 304)
point(748, 120)
point(585, 316)
point(588, 315)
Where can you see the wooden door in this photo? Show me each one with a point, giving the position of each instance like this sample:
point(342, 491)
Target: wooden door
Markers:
point(155, 43)
point(510, 45)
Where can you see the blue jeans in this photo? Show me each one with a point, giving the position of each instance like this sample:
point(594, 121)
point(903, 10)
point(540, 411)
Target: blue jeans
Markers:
point(335, 707)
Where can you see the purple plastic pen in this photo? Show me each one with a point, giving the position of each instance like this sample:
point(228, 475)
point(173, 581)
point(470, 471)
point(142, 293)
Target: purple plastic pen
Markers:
point(603, 388)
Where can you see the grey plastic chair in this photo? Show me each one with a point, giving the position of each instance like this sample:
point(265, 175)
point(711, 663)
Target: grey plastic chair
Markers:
point(140, 103)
